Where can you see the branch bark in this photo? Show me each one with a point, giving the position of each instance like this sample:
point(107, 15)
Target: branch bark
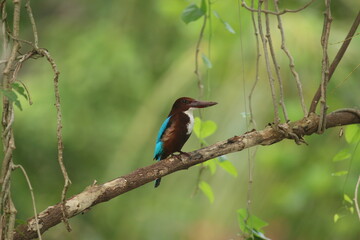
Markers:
point(96, 194)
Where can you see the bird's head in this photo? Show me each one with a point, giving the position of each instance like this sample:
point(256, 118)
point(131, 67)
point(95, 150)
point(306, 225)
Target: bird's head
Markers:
point(185, 103)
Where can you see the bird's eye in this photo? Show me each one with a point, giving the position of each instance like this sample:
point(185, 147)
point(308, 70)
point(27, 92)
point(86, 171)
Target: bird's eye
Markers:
point(185, 101)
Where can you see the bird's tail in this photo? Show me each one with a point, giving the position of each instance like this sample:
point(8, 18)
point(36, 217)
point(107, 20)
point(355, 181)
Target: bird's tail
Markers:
point(157, 182)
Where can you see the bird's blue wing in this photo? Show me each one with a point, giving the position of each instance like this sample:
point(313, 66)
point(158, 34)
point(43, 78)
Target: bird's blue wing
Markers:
point(159, 143)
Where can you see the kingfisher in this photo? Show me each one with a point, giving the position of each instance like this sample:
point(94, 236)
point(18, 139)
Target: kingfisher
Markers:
point(176, 128)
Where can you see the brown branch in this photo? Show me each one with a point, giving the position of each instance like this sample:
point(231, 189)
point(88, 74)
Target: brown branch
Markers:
point(96, 194)
point(60, 144)
point(32, 196)
point(291, 59)
point(7, 208)
point(197, 51)
point(324, 65)
point(268, 67)
point(336, 60)
point(32, 21)
point(276, 65)
point(243, 3)
point(258, 55)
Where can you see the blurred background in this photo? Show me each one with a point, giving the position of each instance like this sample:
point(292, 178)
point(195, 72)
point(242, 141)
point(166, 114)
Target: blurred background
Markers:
point(122, 65)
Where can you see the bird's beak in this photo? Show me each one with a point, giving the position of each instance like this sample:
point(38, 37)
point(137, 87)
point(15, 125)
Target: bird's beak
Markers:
point(201, 104)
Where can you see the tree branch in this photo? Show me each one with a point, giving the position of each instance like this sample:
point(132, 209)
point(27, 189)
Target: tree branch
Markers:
point(336, 61)
point(96, 194)
point(278, 12)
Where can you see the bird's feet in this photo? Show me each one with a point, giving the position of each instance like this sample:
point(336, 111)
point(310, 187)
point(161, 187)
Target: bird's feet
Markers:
point(178, 155)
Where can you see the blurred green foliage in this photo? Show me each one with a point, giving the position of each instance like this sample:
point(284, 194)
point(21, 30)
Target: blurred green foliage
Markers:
point(122, 65)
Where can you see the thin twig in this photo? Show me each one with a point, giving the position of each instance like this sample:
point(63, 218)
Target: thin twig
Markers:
point(20, 63)
point(3, 28)
point(258, 55)
point(356, 197)
point(268, 69)
point(16, 46)
point(200, 87)
point(197, 51)
point(276, 65)
point(345, 39)
point(277, 11)
point(32, 198)
point(336, 60)
point(67, 183)
point(291, 59)
point(27, 92)
point(325, 64)
point(346, 78)
point(32, 21)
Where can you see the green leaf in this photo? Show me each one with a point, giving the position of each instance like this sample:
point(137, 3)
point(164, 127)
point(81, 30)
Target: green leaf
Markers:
point(226, 24)
point(336, 217)
point(20, 89)
point(342, 155)
point(203, 129)
point(207, 190)
point(211, 164)
point(256, 222)
point(351, 209)
point(229, 28)
point(348, 199)
point(203, 6)
point(340, 173)
point(352, 133)
point(11, 95)
point(248, 224)
point(242, 215)
point(18, 104)
point(206, 61)
point(192, 13)
point(228, 167)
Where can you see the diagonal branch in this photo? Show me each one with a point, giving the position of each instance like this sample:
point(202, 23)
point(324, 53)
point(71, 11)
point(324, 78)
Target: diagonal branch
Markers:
point(96, 194)
point(336, 60)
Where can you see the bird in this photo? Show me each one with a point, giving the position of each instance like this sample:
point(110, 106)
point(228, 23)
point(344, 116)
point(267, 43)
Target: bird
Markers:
point(177, 128)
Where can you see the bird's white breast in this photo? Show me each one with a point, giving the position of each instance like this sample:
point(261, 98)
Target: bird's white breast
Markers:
point(190, 125)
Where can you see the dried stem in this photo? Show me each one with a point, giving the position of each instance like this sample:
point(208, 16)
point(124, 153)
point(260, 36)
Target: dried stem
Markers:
point(3, 30)
point(291, 59)
point(32, 21)
point(7, 207)
point(32, 198)
point(276, 65)
point(200, 87)
point(59, 133)
point(336, 60)
point(268, 69)
point(325, 64)
point(258, 55)
point(197, 51)
point(277, 11)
